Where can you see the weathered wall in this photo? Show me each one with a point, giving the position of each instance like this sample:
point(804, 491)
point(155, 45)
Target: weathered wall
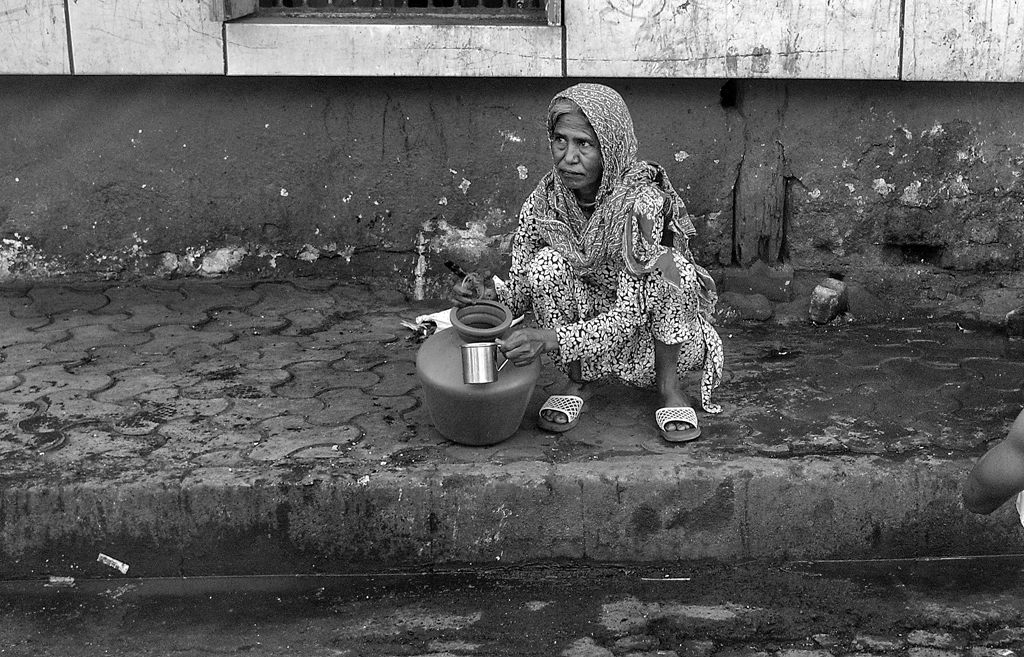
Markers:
point(127, 176)
point(973, 40)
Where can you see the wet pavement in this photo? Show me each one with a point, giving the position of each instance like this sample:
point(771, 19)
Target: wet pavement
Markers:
point(191, 427)
point(916, 608)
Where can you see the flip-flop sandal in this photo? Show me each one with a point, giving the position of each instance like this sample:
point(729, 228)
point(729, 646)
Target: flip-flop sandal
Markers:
point(568, 405)
point(684, 414)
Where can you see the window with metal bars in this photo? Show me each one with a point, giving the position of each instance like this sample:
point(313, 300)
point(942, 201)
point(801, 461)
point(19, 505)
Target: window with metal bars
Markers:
point(518, 9)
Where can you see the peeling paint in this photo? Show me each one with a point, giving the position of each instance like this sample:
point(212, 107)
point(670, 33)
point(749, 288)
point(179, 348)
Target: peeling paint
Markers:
point(472, 240)
point(168, 264)
point(443, 201)
point(420, 271)
point(309, 253)
point(508, 135)
point(681, 155)
point(912, 194)
point(271, 256)
point(18, 257)
point(221, 261)
point(959, 188)
point(814, 193)
point(524, 173)
point(192, 254)
point(882, 187)
point(464, 186)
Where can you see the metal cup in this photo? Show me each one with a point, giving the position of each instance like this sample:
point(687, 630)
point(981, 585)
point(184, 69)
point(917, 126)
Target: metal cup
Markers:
point(480, 362)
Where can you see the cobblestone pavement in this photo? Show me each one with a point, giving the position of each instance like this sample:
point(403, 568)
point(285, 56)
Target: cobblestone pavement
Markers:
point(105, 384)
point(101, 380)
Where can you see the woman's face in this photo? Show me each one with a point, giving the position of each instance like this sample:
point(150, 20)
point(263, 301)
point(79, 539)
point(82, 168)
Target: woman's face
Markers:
point(577, 155)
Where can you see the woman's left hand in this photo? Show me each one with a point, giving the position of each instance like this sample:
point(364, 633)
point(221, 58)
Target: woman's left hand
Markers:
point(472, 288)
point(523, 346)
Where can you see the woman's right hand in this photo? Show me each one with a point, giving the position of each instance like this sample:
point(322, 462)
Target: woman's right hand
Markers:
point(523, 346)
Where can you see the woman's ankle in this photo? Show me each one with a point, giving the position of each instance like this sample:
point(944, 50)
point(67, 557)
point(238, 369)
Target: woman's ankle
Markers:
point(575, 373)
point(674, 396)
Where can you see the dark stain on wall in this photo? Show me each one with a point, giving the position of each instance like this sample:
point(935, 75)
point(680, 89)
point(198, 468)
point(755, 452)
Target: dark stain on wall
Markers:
point(712, 515)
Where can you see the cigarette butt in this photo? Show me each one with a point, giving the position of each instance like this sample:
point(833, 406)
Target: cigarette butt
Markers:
point(113, 563)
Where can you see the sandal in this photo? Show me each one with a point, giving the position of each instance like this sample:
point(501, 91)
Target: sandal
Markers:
point(684, 414)
point(568, 405)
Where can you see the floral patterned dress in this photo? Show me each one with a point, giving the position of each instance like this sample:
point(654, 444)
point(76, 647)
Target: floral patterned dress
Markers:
point(608, 318)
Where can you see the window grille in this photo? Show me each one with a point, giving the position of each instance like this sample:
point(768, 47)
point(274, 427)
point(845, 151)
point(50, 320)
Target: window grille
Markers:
point(515, 9)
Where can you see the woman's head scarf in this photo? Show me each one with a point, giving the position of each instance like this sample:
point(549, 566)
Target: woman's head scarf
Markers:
point(608, 115)
point(590, 242)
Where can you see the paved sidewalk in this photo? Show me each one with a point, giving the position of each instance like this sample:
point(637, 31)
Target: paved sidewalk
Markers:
point(257, 427)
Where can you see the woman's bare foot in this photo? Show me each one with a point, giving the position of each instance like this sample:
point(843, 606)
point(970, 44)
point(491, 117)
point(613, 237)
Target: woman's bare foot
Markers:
point(567, 387)
point(671, 397)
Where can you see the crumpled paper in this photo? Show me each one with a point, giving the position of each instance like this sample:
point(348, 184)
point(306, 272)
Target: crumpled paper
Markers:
point(442, 319)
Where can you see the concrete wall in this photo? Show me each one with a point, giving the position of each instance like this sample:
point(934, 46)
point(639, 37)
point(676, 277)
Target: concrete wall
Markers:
point(166, 139)
point(127, 176)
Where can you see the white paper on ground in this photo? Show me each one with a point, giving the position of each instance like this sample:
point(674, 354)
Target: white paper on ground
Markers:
point(442, 319)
